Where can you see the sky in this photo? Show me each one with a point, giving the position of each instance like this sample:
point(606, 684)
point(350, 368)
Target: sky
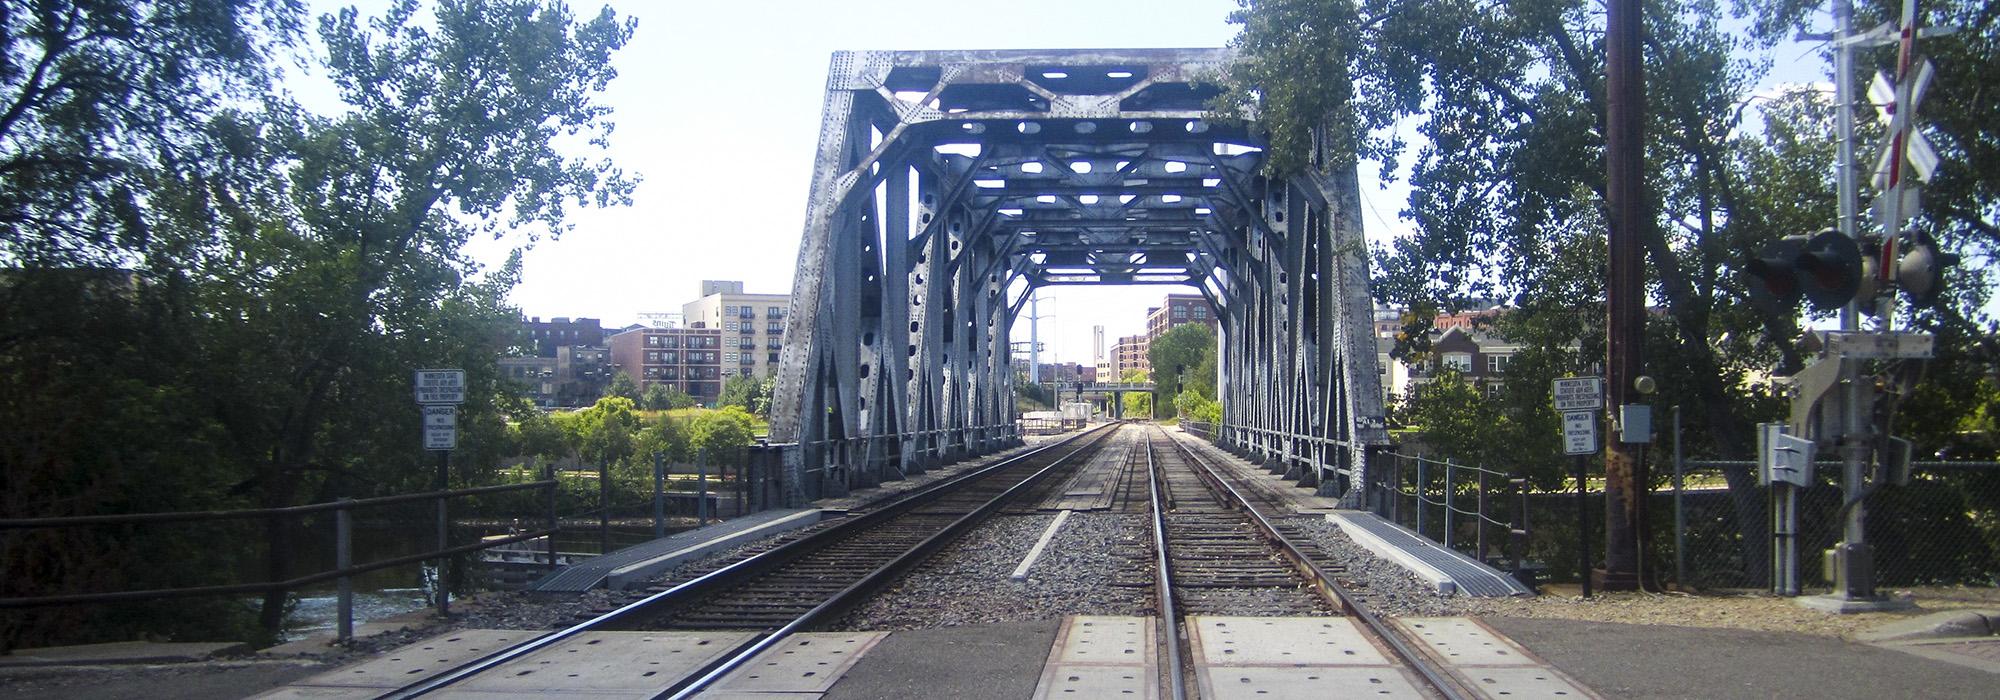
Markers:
point(717, 107)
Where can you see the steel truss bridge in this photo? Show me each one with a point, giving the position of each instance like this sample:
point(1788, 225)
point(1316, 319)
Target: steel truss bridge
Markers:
point(949, 184)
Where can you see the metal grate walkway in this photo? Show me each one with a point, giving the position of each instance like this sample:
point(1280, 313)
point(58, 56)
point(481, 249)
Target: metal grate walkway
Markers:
point(1460, 572)
point(670, 550)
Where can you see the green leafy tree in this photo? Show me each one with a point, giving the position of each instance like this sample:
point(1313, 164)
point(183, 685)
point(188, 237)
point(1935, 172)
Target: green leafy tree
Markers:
point(97, 101)
point(622, 386)
point(761, 403)
point(739, 390)
point(1507, 190)
point(287, 270)
point(722, 434)
point(1177, 354)
point(605, 433)
point(665, 436)
point(1137, 404)
point(661, 397)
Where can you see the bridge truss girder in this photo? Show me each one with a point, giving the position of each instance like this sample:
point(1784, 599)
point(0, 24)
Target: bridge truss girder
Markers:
point(948, 185)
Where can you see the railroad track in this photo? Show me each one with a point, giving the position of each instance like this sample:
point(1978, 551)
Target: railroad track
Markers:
point(810, 580)
point(1220, 551)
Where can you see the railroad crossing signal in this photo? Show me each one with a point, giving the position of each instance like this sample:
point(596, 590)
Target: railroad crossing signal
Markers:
point(1823, 269)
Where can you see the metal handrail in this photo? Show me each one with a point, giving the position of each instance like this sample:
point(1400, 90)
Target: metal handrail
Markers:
point(238, 588)
point(248, 513)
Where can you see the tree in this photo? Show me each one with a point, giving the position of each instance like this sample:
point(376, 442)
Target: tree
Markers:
point(1177, 354)
point(739, 390)
point(287, 270)
point(97, 97)
point(721, 434)
point(606, 433)
point(661, 397)
point(761, 404)
point(1136, 403)
point(622, 386)
point(1507, 192)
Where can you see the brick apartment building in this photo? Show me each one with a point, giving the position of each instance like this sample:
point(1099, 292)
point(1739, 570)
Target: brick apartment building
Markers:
point(561, 331)
point(688, 359)
point(1129, 353)
point(567, 364)
point(1176, 310)
point(752, 325)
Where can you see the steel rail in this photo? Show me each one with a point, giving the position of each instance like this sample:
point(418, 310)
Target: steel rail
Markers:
point(1164, 577)
point(855, 592)
point(1415, 659)
point(720, 578)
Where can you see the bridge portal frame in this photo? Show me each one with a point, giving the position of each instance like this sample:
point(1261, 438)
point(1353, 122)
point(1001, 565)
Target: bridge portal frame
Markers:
point(947, 185)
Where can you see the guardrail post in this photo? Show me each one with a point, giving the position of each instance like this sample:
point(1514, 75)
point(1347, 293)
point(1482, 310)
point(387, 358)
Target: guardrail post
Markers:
point(1517, 527)
point(701, 487)
point(1419, 490)
point(549, 475)
point(1448, 509)
point(444, 535)
point(603, 507)
point(659, 496)
point(343, 557)
point(1481, 521)
point(1680, 516)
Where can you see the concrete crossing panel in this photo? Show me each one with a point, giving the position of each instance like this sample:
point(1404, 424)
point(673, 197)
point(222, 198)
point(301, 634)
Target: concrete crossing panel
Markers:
point(1102, 657)
point(1461, 642)
point(415, 662)
point(1288, 641)
point(620, 664)
point(1276, 683)
point(802, 663)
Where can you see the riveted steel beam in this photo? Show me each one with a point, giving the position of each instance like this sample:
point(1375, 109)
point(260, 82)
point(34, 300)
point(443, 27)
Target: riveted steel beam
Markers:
point(947, 185)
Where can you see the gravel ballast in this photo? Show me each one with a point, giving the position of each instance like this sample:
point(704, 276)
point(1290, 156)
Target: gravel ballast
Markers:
point(967, 583)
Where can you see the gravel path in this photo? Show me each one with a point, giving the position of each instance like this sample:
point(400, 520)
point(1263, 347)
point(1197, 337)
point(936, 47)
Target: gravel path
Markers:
point(967, 583)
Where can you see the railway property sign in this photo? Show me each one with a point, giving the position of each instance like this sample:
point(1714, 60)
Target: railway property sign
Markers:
point(1579, 394)
point(440, 386)
point(440, 391)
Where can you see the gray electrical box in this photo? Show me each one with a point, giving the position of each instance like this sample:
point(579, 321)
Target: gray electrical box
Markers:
point(1635, 423)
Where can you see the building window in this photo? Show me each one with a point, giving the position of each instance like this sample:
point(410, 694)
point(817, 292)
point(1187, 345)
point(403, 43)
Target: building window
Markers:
point(1494, 390)
point(729, 357)
point(1457, 360)
point(729, 311)
point(732, 326)
point(1496, 363)
point(652, 341)
point(774, 312)
point(729, 373)
point(775, 327)
point(653, 357)
point(774, 358)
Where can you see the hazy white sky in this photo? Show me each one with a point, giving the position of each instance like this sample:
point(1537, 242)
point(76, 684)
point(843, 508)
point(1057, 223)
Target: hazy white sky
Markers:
point(717, 108)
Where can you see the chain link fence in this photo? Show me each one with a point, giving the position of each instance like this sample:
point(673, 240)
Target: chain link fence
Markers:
point(1942, 528)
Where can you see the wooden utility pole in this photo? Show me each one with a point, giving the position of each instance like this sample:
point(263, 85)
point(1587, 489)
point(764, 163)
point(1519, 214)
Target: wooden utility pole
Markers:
point(1625, 479)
